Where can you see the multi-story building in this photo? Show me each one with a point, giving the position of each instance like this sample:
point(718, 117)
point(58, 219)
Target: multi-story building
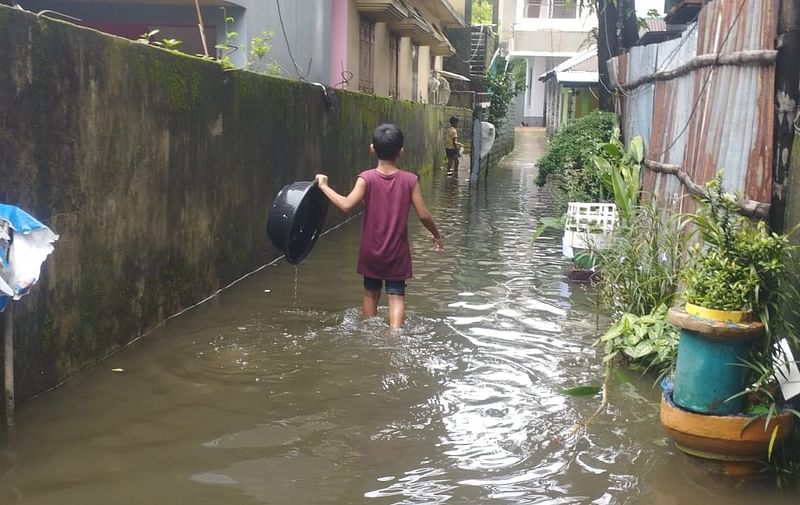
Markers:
point(391, 47)
point(542, 34)
point(385, 47)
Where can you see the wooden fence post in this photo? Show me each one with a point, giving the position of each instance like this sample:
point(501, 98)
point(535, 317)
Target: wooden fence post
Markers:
point(9, 363)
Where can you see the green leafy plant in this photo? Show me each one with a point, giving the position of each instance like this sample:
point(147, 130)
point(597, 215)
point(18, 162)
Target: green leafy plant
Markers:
point(481, 12)
point(502, 89)
point(570, 157)
point(642, 264)
point(149, 39)
point(227, 48)
point(740, 264)
point(644, 342)
point(620, 172)
point(259, 49)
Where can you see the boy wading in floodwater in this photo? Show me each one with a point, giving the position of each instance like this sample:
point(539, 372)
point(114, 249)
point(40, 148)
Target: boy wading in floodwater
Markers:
point(452, 146)
point(387, 192)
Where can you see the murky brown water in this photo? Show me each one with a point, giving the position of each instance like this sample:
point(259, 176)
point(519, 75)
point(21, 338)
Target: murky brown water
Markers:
point(262, 396)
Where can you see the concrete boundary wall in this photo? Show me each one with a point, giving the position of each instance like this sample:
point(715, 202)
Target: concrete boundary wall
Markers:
point(158, 170)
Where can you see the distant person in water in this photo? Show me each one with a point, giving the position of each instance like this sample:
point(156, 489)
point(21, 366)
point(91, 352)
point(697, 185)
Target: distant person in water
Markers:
point(387, 192)
point(452, 147)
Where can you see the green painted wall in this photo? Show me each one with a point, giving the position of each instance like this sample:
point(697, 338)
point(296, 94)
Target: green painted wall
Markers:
point(158, 170)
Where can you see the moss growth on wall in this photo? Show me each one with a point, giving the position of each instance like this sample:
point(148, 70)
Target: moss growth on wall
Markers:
point(158, 170)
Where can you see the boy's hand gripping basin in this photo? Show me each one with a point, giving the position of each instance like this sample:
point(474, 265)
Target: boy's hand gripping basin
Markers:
point(296, 218)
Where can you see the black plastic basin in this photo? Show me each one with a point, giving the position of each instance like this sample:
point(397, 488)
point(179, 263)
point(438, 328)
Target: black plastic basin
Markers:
point(296, 218)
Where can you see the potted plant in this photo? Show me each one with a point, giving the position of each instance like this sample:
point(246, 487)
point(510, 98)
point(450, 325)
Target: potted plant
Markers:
point(734, 282)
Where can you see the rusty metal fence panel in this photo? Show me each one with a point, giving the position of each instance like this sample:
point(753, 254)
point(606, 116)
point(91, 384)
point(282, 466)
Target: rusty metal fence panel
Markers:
point(713, 118)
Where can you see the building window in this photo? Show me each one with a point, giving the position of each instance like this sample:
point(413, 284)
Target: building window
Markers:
point(394, 62)
point(366, 51)
point(561, 9)
point(533, 9)
point(555, 9)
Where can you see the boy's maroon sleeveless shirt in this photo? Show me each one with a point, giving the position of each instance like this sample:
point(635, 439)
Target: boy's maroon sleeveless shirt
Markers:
point(385, 252)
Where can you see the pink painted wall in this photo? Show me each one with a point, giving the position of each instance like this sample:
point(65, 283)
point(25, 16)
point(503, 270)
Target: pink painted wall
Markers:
point(338, 41)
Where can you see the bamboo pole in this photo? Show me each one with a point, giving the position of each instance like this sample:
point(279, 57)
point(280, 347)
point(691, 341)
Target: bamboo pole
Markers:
point(200, 26)
point(9, 364)
point(741, 58)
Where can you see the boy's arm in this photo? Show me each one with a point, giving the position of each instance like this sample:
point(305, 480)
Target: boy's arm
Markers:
point(343, 203)
point(426, 218)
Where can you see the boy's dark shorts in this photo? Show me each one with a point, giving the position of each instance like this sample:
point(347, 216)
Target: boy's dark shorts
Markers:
point(392, 287)
point(451, 153)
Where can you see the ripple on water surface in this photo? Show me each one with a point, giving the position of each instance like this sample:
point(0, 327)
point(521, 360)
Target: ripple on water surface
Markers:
point(278, 392)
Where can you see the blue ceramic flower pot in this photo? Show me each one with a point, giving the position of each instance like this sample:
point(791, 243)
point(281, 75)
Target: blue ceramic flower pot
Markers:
point(710, 354)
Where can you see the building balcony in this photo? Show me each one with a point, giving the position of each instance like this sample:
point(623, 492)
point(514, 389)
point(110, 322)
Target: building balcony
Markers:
point(382, 11)
point(442, 46)
point(448, 15)
point(414, 26)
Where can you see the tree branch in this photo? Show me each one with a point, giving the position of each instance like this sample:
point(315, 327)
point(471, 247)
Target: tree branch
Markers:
point(749, 208)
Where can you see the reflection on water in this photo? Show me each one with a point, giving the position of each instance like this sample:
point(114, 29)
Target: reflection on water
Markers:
point(276, 392)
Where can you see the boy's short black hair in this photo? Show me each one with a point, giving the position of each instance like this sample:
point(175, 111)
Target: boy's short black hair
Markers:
point(387, 140)
point(453, 120)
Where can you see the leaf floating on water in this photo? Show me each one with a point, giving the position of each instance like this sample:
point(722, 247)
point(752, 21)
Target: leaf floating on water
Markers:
point(582, 391)
point(118, 370)
point(620, 376)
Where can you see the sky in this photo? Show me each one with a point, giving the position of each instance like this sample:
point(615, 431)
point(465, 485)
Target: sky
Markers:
point(642, 6)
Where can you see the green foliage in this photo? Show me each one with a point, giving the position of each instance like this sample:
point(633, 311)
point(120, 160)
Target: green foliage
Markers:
point(227, 48)
point(744, 266)
point(502, 89)
point(571, 157)
point(550, 223)
point(641, 266)
point(620, 172)
point(741, 264)
point(646, 342)
point(519, 70)
point(259, 49)
point(582, 391)
point(149, 38)
point(481, 12)
point(171, 44)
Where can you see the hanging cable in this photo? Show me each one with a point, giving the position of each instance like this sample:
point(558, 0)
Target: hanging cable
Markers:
point(705, 83)
point(297, 68)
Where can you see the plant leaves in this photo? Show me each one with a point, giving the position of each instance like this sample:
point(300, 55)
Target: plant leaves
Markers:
point(636, 149)
point(772, 441)
point(582, 391)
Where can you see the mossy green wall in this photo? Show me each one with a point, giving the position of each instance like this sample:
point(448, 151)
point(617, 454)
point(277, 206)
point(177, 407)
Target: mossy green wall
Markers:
point(158, 170)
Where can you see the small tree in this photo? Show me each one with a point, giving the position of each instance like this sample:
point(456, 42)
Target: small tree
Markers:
point(503, 87)
point(481, 12)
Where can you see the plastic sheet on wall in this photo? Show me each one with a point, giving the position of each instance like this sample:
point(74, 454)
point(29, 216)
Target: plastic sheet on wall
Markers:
point(24, 245)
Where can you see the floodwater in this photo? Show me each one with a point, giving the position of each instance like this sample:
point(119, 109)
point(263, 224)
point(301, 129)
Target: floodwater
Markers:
point(276, 392)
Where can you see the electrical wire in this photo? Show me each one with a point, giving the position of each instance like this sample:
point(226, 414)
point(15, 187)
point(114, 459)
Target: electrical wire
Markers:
point(475, 53)
point(705, 83)
point(297, 68)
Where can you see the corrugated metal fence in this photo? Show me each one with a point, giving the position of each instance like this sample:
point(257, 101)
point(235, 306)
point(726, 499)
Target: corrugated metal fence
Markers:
point(713, 117)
